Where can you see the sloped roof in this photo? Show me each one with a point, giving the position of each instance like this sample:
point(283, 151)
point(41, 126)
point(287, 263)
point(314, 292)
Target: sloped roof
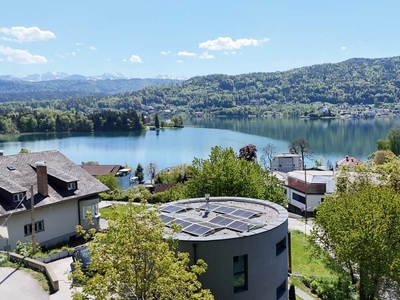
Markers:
point(347, 161)
point(101, 169)
point(23, 176)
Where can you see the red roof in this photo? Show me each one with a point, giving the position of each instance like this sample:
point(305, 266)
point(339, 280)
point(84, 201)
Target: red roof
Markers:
point(348, 161)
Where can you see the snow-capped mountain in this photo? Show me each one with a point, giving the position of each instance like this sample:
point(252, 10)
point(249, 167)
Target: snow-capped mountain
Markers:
point(64, 76)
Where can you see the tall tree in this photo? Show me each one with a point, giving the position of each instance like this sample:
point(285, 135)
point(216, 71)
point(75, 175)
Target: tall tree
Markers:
point(268, 153)
point(223, 174)
point(129, 265)
point(302, 147)
point(359, 227)
point(394, 140)
point(248, 152)
point(139, 173)
point(156, 121)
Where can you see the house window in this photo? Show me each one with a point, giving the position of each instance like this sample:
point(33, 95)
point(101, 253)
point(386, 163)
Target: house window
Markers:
point(281, 246)
point(39, 226)
point(280, 290)
point(90, 210)
point(299, 198)
point(71, 186)
point(240, 273)
point(18, 197)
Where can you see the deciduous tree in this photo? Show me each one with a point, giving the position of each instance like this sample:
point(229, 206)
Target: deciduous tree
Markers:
point(223, 174)
point(302, 147)
point(268, 153)
point(359, 227)
point(135, 260)
point(394, 140)
point(248, 152)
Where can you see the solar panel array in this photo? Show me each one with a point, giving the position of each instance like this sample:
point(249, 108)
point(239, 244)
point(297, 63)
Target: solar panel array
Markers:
point(232, 218)
point(230, 210)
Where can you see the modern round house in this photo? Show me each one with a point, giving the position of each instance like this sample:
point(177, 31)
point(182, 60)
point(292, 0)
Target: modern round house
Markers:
point(243, 241)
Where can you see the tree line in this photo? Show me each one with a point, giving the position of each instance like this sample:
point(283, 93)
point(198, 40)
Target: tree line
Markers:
point(26, 120)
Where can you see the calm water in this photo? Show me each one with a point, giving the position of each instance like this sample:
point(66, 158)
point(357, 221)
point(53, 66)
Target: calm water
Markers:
point(333, 139)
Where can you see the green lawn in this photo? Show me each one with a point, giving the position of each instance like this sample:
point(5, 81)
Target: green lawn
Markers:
point(303, 262)
point(110, 213)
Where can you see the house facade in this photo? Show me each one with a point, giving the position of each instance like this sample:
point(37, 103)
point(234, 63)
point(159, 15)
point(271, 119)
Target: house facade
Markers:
point(242, 240)
point(124, 175)
point(64, 196)
point(286, 162)
point(307, 189)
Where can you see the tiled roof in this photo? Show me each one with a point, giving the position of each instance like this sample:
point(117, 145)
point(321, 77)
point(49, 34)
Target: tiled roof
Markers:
point(348, 160)
point(24, 176)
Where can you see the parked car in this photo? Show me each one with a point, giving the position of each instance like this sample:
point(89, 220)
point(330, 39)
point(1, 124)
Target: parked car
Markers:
point(83, 256)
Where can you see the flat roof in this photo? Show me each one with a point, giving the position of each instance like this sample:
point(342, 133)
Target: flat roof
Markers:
point(222, 217)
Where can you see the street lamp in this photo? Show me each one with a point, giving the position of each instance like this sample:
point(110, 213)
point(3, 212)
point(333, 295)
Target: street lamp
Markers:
point(207, 211)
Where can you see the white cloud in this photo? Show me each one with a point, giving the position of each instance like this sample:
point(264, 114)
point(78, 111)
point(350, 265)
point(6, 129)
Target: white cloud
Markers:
point(165, 52)
point(27, 34)
point(205, 55)
point(343, 48)
point(79, 44)
point(73, 53)
point(1, 59)
point(226, 43)
point(229, 52)
point(135, 59)
point(185, 53)
point(179, 61)
point(22, 57)
point(124, 60)
point(93, 48)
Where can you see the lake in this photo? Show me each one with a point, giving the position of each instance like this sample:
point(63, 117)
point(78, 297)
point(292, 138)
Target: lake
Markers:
point(333, 139)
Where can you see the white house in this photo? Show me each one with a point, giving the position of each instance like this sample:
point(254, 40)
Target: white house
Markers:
point(63, 195)
point(307, 189)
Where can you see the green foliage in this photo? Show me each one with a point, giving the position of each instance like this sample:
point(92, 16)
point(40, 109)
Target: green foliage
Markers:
point(359, 226)
point(338, 288)
point(24, 150)
point(223, 174)
point(156, 121)
point(26, 249)
point(383, 144)
point(394, 140)
point(177, 120)
point(109, 180)
point(128, 263)
point(383, 156)
point(173, 175)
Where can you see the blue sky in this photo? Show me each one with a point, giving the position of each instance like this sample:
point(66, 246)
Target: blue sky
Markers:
point(189, 38)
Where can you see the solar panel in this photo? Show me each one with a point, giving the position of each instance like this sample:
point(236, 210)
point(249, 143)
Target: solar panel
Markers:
point(183, 223)
point(243, 213)
point(210, 205)
point(239, 226)
point(172, 208)
point(220, 220)
point(166, 219)
point(197, 230)
point(224, 209)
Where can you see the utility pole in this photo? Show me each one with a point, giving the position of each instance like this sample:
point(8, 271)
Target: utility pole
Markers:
point(305, 195)
point(33, 231)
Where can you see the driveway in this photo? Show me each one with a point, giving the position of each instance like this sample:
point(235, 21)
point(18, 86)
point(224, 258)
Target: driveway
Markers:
point(18, 284)
point(62, 268)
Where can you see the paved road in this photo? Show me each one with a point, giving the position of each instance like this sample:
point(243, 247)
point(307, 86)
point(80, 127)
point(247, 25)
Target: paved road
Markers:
point(18, 284)
point(62, 269)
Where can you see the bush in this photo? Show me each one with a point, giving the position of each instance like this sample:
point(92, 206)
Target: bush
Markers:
point(338, 288)
point(26, 249)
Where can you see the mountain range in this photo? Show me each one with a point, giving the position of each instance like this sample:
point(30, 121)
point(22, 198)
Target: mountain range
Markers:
point(64, 76)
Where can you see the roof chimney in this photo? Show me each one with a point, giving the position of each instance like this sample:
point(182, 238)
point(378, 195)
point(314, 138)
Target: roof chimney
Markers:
point(41, 172)
point(347, 158)
point(1, 152)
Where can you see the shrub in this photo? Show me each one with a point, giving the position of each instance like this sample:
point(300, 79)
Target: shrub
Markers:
point(26, 249)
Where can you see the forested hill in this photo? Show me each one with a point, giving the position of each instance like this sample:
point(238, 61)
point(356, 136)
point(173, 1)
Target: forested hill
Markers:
point(63, 89)
point(356, 80)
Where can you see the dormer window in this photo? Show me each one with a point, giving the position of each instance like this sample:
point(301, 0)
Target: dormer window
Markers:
point(71, 186)
point(18, 197)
